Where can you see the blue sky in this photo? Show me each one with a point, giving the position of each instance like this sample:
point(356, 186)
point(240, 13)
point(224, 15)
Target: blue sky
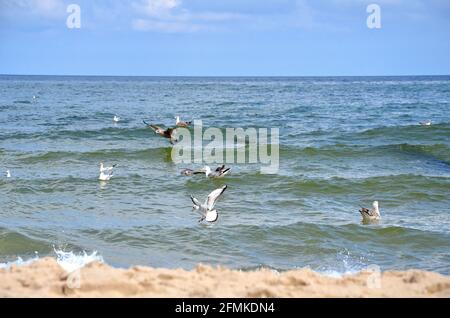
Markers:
point(225, 38)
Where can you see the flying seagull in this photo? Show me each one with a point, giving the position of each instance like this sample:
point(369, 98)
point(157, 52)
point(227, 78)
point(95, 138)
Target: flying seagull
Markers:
point(116, 119)
point(218, 173)
point(372, 214)
point(106, 172)
point(180, 123)
point(166, 133)
point(8, 173)
point(425, 123)
point(206, 209)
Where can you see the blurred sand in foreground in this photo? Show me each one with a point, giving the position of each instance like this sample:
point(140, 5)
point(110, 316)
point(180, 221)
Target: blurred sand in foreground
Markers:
point(45, 278)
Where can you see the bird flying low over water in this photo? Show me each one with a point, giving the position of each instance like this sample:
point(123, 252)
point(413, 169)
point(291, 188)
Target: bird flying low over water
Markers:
point(206, 210)
point(425, 123)
point(372, 214)
point(106, 172)
point(180, 123)
point(218, 173)
point(166, 133)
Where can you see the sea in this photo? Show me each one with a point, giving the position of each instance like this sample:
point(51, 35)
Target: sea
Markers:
point(343, 143)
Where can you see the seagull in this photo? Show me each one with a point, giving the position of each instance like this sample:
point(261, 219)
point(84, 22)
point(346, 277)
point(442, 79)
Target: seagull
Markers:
point(166, 133)
point(206, 209)
point(190, 172)
point(106, 172)
point(425, 123)
point(8, 174)
point(180, 123)
point(372, 214)
point(106, 169)
point(218, 173)
point(116, 119)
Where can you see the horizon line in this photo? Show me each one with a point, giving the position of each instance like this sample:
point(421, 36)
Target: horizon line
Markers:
point(229, 76)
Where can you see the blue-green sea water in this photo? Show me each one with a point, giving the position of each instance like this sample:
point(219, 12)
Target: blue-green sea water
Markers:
point(344, 142)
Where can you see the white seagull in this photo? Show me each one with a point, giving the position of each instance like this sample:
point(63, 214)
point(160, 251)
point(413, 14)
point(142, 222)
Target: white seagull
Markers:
point(425, 123)
point(8, 173)
point(106, 172)
point(372, 214)
point(206, 210)
point(180, 123)
point(116, 119)
point(218, 173)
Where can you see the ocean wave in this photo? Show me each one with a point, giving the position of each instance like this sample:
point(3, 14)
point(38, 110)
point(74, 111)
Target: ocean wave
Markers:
point(105, 133)
point(412, 132)
point(22, 102)
point(69, 261)
point(101, 154)
point(437, 151)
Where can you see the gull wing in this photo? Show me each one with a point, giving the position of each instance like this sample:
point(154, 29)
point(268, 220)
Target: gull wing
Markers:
point(213, 197)
point(153, 127)
point(195, 201)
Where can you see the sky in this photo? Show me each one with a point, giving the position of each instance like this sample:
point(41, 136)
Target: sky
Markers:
point(225, 38)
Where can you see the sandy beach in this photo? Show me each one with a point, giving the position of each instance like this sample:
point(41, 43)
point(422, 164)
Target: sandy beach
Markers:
point(45, 278)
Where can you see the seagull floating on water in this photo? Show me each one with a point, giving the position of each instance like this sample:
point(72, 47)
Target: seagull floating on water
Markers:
point(218, 173)
point(8, 173)
point(116, 119)
point(425, 123)
point(206, 210)
point(180, 123)
point(106, 172)
point(166, 133)
point(372, 214)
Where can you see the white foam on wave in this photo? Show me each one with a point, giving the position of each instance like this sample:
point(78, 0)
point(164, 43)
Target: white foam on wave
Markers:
point(69, 261)
point(18, 262)
point(345, 264)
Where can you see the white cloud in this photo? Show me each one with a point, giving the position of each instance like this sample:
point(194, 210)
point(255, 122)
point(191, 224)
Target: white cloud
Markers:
point(162, 26)
point(44, 8)
point(156, 8)
point(170, 16)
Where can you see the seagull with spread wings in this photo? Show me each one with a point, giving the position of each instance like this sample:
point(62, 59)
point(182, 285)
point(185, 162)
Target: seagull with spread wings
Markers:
point(166, 133)
point(206, 210)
